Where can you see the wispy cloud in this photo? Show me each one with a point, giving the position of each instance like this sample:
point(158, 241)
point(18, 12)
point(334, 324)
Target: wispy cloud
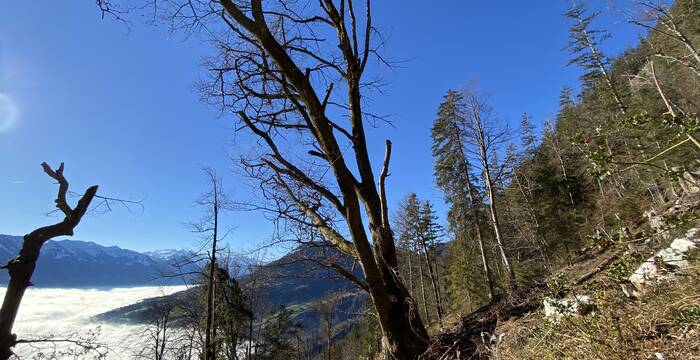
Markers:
point(18, 182)
point(9, 112)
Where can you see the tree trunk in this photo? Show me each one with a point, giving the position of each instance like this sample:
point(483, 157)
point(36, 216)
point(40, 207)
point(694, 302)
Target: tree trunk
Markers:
point(422, 291)
point(404, 335)
point(410, 269)
point(209, 353)
point(471, 192)
point(557, 151)
point(22, 267)
point(433, 281)
point(494, 220)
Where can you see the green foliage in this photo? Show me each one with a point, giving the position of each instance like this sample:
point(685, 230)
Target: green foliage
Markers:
point(678, 219)
point(592, 286)
point(464, 278)
point(687, 317)
point(600, 161)
point(278, 335)
point(620, 270)
point(363, 342)
point(557, 286)
point(599, 241)
point(693, 255)
point(420, 243)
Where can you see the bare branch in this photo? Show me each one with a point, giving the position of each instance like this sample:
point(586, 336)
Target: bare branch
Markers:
point(382, 185)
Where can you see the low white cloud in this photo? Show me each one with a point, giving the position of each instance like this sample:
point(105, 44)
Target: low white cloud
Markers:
point(60, 312)
point(9, 112)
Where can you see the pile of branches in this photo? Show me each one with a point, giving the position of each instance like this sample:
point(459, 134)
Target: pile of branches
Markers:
point(474, 336)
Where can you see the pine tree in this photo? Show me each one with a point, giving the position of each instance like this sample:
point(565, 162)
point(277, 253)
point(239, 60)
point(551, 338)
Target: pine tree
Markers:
point(584, 45)
point(528, 139)
point(453, 176)
point(232, 315)
point(405, 219)
point(429, 237)
point(278, 338)
point(521, 181)
point(407, 223)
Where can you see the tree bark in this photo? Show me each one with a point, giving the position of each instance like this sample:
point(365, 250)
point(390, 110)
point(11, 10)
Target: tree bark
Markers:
point(404, 335)
point(433, 280)
point(410, 266)
point(497, 228)
point(209, 353)
point(423, 294)
point(22, 267)
point(474, 204)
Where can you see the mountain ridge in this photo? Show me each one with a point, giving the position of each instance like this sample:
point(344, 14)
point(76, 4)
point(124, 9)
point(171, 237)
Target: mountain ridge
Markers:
point(77, 263)
point(291, 281)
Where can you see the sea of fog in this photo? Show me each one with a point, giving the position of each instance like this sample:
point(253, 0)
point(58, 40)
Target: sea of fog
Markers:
point(65, 313)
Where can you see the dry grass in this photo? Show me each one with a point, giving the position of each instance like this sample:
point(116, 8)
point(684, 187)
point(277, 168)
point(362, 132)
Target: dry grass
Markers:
point(665, 320)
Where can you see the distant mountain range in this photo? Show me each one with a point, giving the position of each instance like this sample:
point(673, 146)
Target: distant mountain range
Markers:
point(72, 263)
point(290, 281)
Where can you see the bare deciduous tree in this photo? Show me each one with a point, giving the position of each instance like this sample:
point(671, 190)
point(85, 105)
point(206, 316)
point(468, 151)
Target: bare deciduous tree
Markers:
point(214, 201)
point(22, 267)
point(293, 73)
point(655, 16)
point(484, 138)
point(159, 333)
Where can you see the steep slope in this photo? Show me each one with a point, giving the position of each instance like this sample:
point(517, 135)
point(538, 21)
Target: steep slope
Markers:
point(613, 321)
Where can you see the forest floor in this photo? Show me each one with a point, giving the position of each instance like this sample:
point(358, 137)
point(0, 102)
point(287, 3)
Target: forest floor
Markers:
point(662, 323)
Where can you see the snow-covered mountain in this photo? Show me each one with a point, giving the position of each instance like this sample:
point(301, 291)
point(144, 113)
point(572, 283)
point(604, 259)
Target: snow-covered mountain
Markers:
point(72, 263)
point(166, 254)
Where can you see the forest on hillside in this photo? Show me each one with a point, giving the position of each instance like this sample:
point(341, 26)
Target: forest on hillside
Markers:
point(527, 204)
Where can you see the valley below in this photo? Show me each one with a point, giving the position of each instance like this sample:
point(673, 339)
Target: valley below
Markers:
point(67, 314)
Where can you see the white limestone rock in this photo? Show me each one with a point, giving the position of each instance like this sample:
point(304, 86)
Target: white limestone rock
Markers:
point(647, 272)
point(683, 244)
point(655, 221)
point(658, 268)
point(556, 309)
point(672, 258)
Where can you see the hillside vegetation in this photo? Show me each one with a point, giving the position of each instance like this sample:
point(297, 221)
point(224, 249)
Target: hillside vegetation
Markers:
point(559, 242)
point(570, 210)
point(612, 178)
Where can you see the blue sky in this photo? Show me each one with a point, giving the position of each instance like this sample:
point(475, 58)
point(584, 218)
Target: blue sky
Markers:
point(119, 106)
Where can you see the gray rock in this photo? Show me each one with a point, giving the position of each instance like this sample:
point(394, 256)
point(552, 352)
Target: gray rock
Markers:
point(655, 221)
point(556, 309)
point(683, 244)
point(646, 273)
point(658, 268)
point(672, 257)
